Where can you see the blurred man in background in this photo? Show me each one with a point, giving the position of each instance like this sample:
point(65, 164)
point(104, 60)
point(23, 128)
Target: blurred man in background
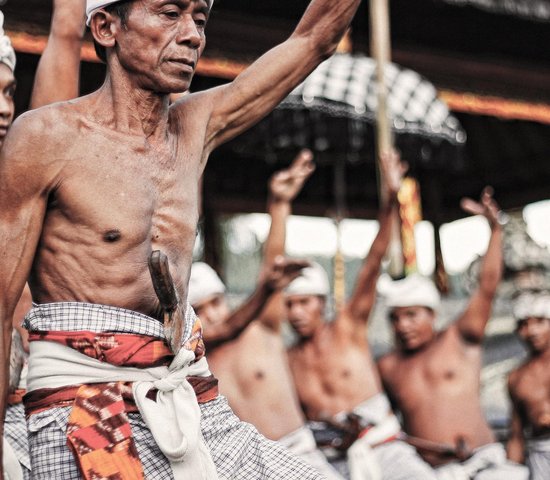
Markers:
point(529, 387)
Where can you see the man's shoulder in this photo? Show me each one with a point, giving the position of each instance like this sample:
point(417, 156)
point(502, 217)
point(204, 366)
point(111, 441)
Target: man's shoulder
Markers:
point(47, 122)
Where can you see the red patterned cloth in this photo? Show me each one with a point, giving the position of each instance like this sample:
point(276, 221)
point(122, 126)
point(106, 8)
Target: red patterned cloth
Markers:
point(98, 431)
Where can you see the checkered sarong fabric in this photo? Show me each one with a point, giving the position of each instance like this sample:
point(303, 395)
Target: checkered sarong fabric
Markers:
point(238, 450)
point(77, 316)
point(15, 432)
point(345, 86)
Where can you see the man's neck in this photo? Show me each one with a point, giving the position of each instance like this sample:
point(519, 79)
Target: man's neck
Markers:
point(541, 355)
point(127, 108)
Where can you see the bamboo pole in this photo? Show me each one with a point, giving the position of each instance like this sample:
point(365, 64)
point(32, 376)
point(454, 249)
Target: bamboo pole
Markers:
point(381, 52)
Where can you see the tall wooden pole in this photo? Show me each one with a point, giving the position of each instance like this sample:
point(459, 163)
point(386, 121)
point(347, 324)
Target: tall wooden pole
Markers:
point(381, 52)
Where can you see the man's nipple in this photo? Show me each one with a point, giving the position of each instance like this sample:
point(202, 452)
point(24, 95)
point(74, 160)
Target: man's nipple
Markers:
point(112, 236)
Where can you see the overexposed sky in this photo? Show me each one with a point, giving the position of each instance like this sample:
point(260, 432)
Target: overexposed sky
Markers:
point(461, 240)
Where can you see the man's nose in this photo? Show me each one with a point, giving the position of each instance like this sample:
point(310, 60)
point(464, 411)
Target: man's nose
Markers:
point(6, 106)
point(189, 32)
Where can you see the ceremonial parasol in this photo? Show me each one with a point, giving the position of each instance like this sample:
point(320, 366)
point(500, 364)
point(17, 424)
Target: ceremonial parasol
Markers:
point(334, 113)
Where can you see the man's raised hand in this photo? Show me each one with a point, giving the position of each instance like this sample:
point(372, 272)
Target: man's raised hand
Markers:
point(285, 185)
point(487, 206)
point(282, 271)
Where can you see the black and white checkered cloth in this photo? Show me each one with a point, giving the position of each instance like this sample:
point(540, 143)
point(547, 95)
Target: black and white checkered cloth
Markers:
point(345, 86)
point(532, 9)
point(15, 432)
point(238, 450)
point(75, 316)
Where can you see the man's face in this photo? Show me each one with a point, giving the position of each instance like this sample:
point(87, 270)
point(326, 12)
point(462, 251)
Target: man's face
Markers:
point(212, 311)
point(305, 313)
point(7, 108)
point(413, 326)
point(161, 42)
point(535, 332)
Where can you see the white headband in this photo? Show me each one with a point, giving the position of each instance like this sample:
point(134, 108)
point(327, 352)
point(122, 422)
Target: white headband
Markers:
point(312, 281)
point(93, 5)
point(203, 283)
point(529, 305)
point(7, 53)
point(414, 290)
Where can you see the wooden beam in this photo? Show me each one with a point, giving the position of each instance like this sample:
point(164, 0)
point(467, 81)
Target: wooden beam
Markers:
point(210, 67)
point(467, 102)
point(496, 107)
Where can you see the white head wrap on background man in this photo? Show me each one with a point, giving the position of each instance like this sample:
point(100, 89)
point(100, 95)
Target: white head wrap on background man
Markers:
point(312, 281)
point(93, 5)
point(413, 291)
point(7, 53)
point(203, 283)
point(532, 305)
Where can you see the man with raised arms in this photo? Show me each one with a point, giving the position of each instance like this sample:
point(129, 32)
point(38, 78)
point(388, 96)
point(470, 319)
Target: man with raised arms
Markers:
point(529, 387)
point(433, 378)
point(89, 189)
point(245, 347)
point(334, 372)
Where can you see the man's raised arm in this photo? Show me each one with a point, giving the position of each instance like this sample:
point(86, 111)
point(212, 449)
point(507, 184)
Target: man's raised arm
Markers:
point(284, 187)
point(261, 87)
point(361, 302)
point(58, 73)
point(471, 325)
point(274, 278)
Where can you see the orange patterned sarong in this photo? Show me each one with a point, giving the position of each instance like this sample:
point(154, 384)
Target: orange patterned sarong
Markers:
point(98, 430)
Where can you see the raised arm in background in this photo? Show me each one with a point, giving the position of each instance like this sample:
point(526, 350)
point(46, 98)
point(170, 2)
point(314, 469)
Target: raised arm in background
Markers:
point(471, 325)
point(359, 306)
point(284, 187)
point(274, 278)
point(58, 74)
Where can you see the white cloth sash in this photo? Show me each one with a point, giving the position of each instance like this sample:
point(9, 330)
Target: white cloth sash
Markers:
point(173, 418)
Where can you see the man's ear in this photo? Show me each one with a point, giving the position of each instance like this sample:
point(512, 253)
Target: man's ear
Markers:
point(103, 26)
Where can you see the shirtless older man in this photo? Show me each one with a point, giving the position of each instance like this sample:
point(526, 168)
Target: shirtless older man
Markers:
point(245, 347)
point(88, 189)
point(334, 372)
point(433, 378)
point(529, 387)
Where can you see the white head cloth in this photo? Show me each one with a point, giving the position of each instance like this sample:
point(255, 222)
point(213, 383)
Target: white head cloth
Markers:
point(203, 283)
point(312, 281)
point(413, 291)
point(93, 5)
point(532, 305)
point(7, 53)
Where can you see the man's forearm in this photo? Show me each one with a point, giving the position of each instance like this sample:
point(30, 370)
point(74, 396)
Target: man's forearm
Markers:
point(240, 318)
point(492, 264)
point(325, 22)
point(279, 211)
point(57, 76)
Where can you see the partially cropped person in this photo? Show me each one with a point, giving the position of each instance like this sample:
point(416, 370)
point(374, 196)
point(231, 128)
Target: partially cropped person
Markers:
point(433, 377)
point(246, 350)
point(529, 387)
